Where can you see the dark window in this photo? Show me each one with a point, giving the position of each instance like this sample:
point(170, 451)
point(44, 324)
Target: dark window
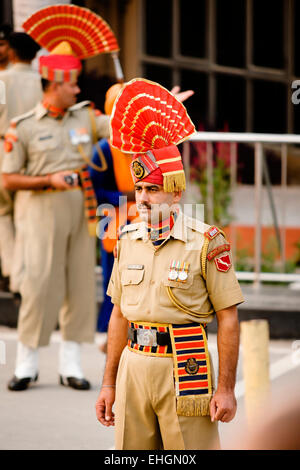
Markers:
point(159, 27)
point(192, 16)
point(159, 74)
point(231, 103)
point(297, 38)
point(230, 41)
point(269, 107)
point(197, 104)
point(216, 56)
point(268, 33)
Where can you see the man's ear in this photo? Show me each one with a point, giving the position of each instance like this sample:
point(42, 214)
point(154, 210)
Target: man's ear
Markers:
point(177, 196)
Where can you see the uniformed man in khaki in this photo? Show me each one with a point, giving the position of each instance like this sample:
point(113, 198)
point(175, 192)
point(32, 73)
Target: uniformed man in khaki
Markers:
point(22, 92)
point(172, 274)
point(46, 153)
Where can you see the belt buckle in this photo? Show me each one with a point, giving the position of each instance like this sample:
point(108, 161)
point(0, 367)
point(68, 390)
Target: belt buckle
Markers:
point(146, 337)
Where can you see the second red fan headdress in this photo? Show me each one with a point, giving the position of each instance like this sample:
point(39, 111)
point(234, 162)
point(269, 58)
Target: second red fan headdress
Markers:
point(68, 31)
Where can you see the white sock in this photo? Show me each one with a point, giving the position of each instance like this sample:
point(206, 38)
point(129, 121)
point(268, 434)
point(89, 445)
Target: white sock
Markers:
point(26, 361)
point(70, 360)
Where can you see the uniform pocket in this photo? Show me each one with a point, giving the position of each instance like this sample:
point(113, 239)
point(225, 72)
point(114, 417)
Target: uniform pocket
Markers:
point(183, 291)
point(44, 142)
point(180, 285)
point(131, 280)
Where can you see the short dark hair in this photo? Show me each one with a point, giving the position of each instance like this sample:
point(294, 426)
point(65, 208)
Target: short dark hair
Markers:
point(24, 46)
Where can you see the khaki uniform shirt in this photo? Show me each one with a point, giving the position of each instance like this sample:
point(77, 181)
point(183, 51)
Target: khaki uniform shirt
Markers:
point(140, 276)
point(43, 145)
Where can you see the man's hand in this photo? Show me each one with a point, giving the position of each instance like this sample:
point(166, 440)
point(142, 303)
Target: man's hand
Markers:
point(104, 406)
point(223, 406)
point(116, 342)
point(57, 180)
point(181, 95)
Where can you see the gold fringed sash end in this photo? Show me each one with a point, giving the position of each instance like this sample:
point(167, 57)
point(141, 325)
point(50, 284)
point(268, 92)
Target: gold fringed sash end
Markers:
point(193, 405)
point(174, 182)
point(192, 373)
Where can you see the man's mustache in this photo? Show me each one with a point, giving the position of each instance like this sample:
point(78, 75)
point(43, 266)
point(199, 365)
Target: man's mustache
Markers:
point(143, 206)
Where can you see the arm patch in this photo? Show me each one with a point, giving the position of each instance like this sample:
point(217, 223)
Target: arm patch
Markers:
point(220, 249)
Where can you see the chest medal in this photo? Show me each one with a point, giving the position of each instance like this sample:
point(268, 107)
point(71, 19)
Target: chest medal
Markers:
point(79, 136)
point(178, 271)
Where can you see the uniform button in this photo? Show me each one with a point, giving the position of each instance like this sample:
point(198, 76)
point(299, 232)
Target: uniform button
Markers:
point(152, 281)
point(156, 253)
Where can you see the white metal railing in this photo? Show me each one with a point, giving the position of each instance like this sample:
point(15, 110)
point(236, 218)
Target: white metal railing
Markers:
point(258, 140)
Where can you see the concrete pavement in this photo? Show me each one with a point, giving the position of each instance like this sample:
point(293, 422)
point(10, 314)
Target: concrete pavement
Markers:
point(50, 417)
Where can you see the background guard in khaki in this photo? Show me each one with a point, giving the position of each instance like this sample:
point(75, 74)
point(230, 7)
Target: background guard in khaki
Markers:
point(22, 92)
point(59, 253)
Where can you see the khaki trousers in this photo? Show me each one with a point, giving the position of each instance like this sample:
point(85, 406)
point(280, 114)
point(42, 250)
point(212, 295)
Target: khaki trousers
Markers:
point(59, 265)
point(145, 409)
point(6, 243)
point(6, 225)
point(17, 265)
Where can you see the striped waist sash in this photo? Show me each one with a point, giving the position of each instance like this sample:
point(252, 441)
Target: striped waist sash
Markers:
point(192, 371)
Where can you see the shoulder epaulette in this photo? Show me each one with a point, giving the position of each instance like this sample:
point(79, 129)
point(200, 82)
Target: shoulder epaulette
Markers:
point(80, 105)
point(16, 120)
point(212, 232)
point(128, 228)
point(209, 234)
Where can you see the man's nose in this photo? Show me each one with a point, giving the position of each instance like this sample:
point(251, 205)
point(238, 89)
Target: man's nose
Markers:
point(144, 196)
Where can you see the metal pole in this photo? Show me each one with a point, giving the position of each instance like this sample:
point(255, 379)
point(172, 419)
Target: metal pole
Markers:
point(118, 68)
point(271, 200)
point(258, 203)
point(233, 180)
point(210, 184)
point(283, 202)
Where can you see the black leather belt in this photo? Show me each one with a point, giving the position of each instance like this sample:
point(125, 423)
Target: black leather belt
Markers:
point(157, 337)
point(151, 337)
